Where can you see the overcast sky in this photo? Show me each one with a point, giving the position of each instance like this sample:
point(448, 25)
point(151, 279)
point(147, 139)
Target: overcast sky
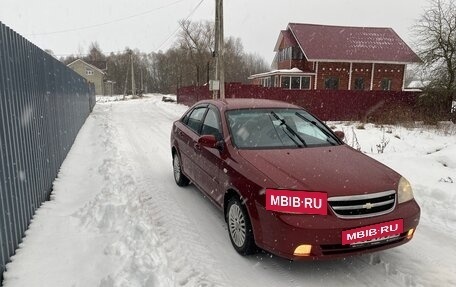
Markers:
point(147, 24)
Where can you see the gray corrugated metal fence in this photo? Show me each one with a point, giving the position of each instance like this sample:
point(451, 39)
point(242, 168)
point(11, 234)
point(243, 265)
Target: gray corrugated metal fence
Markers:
point(43, 104)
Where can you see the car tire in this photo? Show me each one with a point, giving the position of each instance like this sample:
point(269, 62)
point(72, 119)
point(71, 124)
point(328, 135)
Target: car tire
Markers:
point(240, 228)
point(179, 177)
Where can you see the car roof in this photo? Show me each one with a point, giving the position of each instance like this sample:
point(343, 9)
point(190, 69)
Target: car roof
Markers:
point(234, 104)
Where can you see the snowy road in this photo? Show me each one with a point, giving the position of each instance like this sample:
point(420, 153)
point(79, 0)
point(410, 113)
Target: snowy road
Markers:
point(118, 219)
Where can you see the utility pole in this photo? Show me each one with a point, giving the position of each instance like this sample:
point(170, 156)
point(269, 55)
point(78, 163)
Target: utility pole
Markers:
point(133, 86)
point(219, 49)
point(125, 86)
point(216, 50)
point(142, 83)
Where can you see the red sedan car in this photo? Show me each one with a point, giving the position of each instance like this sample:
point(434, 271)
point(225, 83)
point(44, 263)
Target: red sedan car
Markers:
point(287, 183)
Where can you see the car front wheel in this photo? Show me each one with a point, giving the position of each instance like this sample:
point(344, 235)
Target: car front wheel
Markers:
point(240, 228)
point(179, 177)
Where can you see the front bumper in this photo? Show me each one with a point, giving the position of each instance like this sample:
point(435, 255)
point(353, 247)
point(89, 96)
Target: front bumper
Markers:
point(281, 233)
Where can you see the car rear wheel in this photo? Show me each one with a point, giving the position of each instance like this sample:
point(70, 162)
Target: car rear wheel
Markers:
point(240, 228)
point(179, 177)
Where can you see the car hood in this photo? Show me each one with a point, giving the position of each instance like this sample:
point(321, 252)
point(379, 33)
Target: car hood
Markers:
point(338, 170)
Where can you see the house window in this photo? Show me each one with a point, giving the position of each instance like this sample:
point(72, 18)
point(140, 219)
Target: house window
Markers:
point(295, 82)
point(89, 72)
point(285, 83)
point(359, 84)
point(267, 82)
point(285, 54)
point(386, 84)
point(332, 83)
point(305, 83)
point(297, 53)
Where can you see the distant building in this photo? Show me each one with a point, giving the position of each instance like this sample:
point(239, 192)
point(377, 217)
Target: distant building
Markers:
point(321, 57)
point(91, 73)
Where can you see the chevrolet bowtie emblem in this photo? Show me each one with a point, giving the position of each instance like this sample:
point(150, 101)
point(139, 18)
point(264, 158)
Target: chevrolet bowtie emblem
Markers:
point(368, 205)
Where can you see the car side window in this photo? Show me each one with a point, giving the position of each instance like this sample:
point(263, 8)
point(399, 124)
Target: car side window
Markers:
point(185, 118)
point(195, 119)
point(211, 125)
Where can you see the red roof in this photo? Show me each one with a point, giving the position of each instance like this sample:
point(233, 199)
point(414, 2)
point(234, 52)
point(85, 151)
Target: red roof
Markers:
point(358, 44)
point(288, 40)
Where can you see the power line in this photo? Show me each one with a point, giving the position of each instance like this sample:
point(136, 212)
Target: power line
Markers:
point(162, 44)
point(109, 22)
point(178, 28)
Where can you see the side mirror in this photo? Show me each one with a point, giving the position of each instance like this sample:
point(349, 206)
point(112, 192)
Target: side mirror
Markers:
point(208, 141)
point(340, 135)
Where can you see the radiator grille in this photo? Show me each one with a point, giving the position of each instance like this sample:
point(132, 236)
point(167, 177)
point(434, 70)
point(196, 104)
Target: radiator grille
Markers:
point(366, 205)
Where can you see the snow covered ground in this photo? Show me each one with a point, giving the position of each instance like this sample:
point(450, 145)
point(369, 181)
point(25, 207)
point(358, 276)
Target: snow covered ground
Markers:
point(117, 218)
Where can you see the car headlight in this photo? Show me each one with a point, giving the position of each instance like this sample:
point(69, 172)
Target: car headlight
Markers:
point(404, 191)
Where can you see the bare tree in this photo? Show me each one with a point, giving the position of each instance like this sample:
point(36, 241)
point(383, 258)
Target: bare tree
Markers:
point(188, 62)
point(255, 64)
point(436, 41)
point(197, 40)
point(95, 53)
point(240, 65)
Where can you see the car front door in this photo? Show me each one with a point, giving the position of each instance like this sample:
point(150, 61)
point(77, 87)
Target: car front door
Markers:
point(210, 158)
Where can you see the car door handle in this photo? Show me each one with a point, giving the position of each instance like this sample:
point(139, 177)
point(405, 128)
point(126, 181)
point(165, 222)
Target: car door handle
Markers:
point(180, 133)
point(197, 146)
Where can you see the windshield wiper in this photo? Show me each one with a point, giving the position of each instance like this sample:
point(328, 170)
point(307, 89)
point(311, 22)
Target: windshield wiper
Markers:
point(290, 130)
point(327, 134)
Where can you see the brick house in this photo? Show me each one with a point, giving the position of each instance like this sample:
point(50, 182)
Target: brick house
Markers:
point(91, 73)
point(321, 57)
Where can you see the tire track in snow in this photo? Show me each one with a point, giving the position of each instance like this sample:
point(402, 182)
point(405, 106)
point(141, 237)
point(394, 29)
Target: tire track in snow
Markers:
point(118, 210)
point(179, 243)
point(207, 251)
point(164, 130)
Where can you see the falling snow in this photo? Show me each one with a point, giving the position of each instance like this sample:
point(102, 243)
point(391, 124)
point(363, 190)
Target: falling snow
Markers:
point(116, 217)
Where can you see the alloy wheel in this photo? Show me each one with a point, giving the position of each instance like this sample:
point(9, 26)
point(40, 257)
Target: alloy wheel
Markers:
point(179, 177)
point(237, 225)
point(176, 168)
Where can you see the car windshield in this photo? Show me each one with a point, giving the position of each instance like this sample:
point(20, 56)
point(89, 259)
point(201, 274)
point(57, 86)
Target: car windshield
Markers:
point(277, 128)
